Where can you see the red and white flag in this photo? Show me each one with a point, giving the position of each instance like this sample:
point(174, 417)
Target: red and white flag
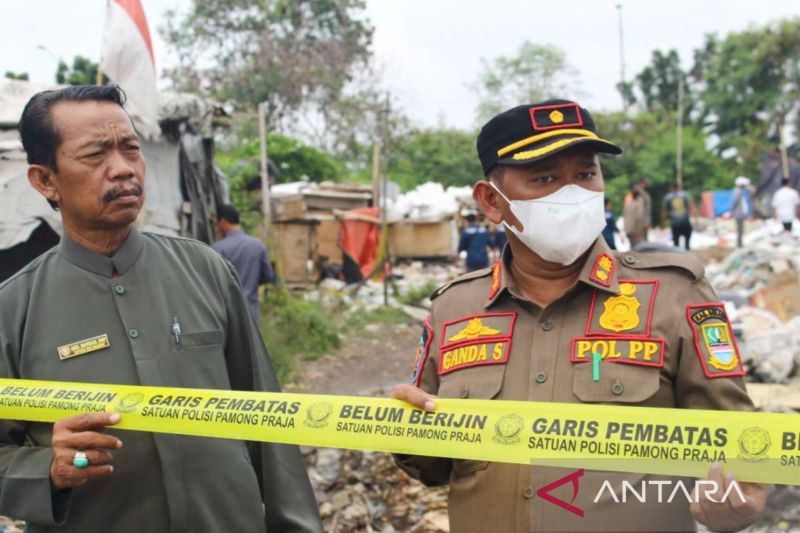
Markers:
point(128, 61)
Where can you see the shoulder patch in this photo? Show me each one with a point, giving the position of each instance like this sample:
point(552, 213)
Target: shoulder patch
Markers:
point(482, 273)
point(423, 350)
point(678, 260)
point(714, 340)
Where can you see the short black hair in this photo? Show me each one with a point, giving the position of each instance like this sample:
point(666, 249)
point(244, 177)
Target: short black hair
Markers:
point(785, 181)
point(39, 136)
point(229, 213)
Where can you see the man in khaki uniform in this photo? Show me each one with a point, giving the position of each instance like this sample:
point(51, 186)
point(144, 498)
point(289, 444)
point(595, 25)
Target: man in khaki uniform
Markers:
point(558, 295)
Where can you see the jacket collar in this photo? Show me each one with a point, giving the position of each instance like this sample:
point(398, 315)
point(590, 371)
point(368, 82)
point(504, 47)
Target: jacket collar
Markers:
point(92, 261)
point(599, 271)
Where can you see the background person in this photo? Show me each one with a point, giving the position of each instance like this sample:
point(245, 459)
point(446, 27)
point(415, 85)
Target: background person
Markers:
point(611, 224)
point(786, 205)
point(741, 206)
point(476, 242)
point(678, 208)
point(635, 219)
point(248, 255)
point(161, 311)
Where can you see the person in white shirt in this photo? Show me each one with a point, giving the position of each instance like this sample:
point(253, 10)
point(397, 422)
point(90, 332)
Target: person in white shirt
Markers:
point(786, 204)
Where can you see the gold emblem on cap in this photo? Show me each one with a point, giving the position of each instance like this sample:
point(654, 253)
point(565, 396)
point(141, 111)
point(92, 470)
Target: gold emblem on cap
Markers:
point(556, 116)
point(473, 330)
point(621, 312)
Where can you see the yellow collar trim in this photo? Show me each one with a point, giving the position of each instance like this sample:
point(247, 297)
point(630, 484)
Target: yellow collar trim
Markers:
point(546, 135)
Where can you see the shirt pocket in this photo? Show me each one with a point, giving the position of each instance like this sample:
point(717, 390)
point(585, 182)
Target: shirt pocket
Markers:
point(200, 360)
point(477, 383)
point(617, 383)
point(202, 338)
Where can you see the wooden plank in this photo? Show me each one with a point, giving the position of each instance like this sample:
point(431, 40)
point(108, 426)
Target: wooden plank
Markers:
point(328, 241)
point(423, 239)
point(295, 243)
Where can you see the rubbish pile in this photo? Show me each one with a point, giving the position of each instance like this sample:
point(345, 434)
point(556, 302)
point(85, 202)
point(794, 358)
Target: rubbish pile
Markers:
point(411, 277)
point(9, 525)
point(760, 285)
point(363, 491)
point(429, 202)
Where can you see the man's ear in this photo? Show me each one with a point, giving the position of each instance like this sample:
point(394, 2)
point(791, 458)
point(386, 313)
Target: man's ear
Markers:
point(489, 201)
point(41, 178)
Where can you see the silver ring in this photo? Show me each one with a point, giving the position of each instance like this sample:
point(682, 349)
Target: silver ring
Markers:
point(80, 460)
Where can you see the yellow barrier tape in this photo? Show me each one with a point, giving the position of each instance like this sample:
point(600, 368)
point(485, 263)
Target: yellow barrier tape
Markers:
point(761, 447)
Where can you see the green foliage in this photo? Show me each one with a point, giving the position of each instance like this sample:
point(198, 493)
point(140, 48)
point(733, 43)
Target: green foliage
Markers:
point(295, 330)
point(750, 83)
point(286, 53)
point(536, 72)
point(659, 84)
point(355, 322)
point(443, 155)
point(650, 145)
point(22, 76)
point(82, 72)
point(416, 295)
point(295, 161)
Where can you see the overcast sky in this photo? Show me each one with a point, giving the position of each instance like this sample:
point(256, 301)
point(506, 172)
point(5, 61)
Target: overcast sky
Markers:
point(430, 50)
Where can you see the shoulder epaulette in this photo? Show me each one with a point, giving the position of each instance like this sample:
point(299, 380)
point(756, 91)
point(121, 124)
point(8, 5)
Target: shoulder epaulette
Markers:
point(680, 260)
point(483, 272)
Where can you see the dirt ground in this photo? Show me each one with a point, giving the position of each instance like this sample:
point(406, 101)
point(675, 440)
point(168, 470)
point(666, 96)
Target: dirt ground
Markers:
point(363, 366)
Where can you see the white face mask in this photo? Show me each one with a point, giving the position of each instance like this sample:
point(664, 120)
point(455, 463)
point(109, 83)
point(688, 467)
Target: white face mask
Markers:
point(559, 227)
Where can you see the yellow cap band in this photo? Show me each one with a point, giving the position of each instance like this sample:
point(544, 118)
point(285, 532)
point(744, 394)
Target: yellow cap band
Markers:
point(546, 135)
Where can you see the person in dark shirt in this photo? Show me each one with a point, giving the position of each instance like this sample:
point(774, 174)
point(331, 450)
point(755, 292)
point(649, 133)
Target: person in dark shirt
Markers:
point(679, 208)
point(248, 255)
point(476, 241)
point(611, 225)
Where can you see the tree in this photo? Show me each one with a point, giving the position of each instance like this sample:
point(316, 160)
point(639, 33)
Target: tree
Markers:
point(23, 76)
point(649, 146)
point(536, 72)
point(444, 155)
point(82, 72)
point(749, 83)
point(285, 53)
point(294, 160)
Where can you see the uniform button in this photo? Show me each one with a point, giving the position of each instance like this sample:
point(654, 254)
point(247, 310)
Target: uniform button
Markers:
point(133, 333)
point(547, 325)
point(617, 388)
point(119, 289)
point(629, 260)
point(527, 493)
point(541, 377)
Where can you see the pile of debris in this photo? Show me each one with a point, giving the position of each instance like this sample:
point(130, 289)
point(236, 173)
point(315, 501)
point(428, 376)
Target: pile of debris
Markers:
point(761, 287)
point(8, 525)
point(364, 491)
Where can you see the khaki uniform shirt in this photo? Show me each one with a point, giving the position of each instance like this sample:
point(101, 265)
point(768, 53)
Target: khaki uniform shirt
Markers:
point(160, 482)
point(544, 355)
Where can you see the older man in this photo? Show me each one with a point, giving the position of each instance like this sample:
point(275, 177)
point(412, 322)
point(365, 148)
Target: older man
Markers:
point(161, 311)
point(558, 288)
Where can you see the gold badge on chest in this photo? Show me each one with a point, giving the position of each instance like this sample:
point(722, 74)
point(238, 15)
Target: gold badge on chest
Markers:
point(627, 313)
point(621, 312)
point(85, 346)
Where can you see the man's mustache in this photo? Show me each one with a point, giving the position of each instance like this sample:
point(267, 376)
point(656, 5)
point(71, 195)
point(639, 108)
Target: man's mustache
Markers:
point(118, 190)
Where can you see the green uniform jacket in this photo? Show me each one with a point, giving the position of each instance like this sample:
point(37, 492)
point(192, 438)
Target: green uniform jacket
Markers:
point(160, 482)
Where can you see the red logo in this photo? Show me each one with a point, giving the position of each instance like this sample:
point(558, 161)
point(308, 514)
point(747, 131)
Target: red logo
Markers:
point(544, 492)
